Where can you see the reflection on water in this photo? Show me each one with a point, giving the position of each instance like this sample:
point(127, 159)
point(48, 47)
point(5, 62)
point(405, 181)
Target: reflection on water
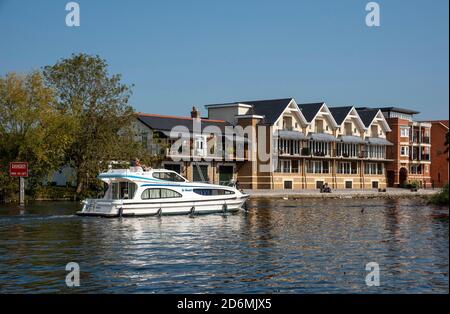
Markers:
point(279, 246)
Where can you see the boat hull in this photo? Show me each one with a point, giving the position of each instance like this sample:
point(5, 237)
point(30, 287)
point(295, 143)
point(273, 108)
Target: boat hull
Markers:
point(133, 209)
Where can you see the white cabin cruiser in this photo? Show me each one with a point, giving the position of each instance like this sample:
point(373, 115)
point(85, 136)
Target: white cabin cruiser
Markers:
point(135, 192)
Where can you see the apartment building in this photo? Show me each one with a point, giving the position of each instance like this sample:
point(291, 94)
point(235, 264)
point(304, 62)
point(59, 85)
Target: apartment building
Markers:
point(439, 152)
point(198, 156)
point(308, 145)
point(411, 152)
point(279, 144)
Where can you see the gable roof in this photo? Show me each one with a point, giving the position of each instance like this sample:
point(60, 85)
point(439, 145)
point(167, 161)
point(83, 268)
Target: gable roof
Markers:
point(310, 110)
point(270, 109)
point(166, 123)
point(340, 113)
point(367, 115)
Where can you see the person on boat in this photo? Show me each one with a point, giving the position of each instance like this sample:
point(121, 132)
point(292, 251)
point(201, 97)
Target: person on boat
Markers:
point(136, 165)
point(326, 188)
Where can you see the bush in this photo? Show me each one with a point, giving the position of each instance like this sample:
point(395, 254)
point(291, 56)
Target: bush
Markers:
point(53, 193)
point(440, 198)
point(306, 151)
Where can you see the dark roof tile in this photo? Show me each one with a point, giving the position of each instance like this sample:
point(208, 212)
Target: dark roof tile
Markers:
point(166, 123)
point(367, 115)
point(340, 113)
point(271, 109)
point(310, 110)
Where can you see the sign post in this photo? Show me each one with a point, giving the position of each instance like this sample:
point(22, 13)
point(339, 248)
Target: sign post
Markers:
point(22, 191)
point(19, 169)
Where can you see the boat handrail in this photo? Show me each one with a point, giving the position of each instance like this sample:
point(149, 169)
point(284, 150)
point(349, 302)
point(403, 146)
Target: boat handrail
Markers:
point(131, 169)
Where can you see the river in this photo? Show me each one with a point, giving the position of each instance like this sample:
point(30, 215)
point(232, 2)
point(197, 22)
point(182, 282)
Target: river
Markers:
point(278, 246)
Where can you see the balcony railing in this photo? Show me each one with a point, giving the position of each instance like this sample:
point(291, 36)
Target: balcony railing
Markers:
point(377, 172)
point(416, 157)
point(347, 171)
point(424, 140)
point(316, 171)
point(284, 170)
point(321, 154)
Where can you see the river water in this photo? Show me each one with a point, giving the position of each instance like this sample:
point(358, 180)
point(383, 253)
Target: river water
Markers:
point(278, 246)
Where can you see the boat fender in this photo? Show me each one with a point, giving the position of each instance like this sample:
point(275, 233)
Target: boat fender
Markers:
point(245, 206)
point(119, 213)
point(159, 212)
point(192, 210)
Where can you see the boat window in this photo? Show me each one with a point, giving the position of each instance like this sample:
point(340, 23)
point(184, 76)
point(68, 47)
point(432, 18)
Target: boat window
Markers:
point(121, 191)
point(159, 193)
point(168, 176)
point(213, 191)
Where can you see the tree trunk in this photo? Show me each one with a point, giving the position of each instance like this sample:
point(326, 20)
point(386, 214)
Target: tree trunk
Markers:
point(79, 187)
point(79, 183)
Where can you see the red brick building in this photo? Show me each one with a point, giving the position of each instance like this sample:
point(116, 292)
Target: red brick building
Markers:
point(410, 156)
point(439, 156)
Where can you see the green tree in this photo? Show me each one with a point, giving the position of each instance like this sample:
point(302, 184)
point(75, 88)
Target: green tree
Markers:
point(32, 129)
point(97, 103)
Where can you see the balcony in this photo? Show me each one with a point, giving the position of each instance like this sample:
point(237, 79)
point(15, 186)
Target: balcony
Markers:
point(317, 171)
point(423, 157)
point(306, 151)
point(286, 170)
point(373, 172)
point(321, 154)
point(424, 140)
point(347, 171)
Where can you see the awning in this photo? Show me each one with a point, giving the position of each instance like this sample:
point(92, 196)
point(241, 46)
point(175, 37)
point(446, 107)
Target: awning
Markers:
point(350, 139)
point(291, 135)
point(378, 141)
point(322, 137)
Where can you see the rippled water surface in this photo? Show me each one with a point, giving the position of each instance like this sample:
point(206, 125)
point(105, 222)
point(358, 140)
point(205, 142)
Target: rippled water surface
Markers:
point(279, 246)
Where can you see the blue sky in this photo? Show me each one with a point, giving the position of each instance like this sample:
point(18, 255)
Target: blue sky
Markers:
point(195, 52)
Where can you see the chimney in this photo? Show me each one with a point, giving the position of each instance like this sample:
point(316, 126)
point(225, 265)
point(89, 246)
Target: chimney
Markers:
point(195, 113)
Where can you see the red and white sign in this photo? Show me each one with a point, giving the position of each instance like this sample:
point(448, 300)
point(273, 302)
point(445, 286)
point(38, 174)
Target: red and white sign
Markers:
point(18, 169)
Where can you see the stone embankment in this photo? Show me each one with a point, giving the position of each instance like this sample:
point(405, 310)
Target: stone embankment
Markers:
point(297, 194)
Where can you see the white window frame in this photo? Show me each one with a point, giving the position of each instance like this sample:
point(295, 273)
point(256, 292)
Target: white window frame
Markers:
point(404, 130)
point(404, 151)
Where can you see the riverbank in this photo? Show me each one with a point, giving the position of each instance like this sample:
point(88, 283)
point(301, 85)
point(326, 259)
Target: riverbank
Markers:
point(294, 194)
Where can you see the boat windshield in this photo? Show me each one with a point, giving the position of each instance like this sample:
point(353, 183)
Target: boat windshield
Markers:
point(168, 176)
point(121, 190)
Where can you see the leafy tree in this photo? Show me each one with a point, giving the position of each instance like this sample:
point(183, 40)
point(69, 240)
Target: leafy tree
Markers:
point(97, 103)
point(32, 129)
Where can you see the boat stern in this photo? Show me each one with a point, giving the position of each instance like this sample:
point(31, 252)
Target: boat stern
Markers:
point(100, 207)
